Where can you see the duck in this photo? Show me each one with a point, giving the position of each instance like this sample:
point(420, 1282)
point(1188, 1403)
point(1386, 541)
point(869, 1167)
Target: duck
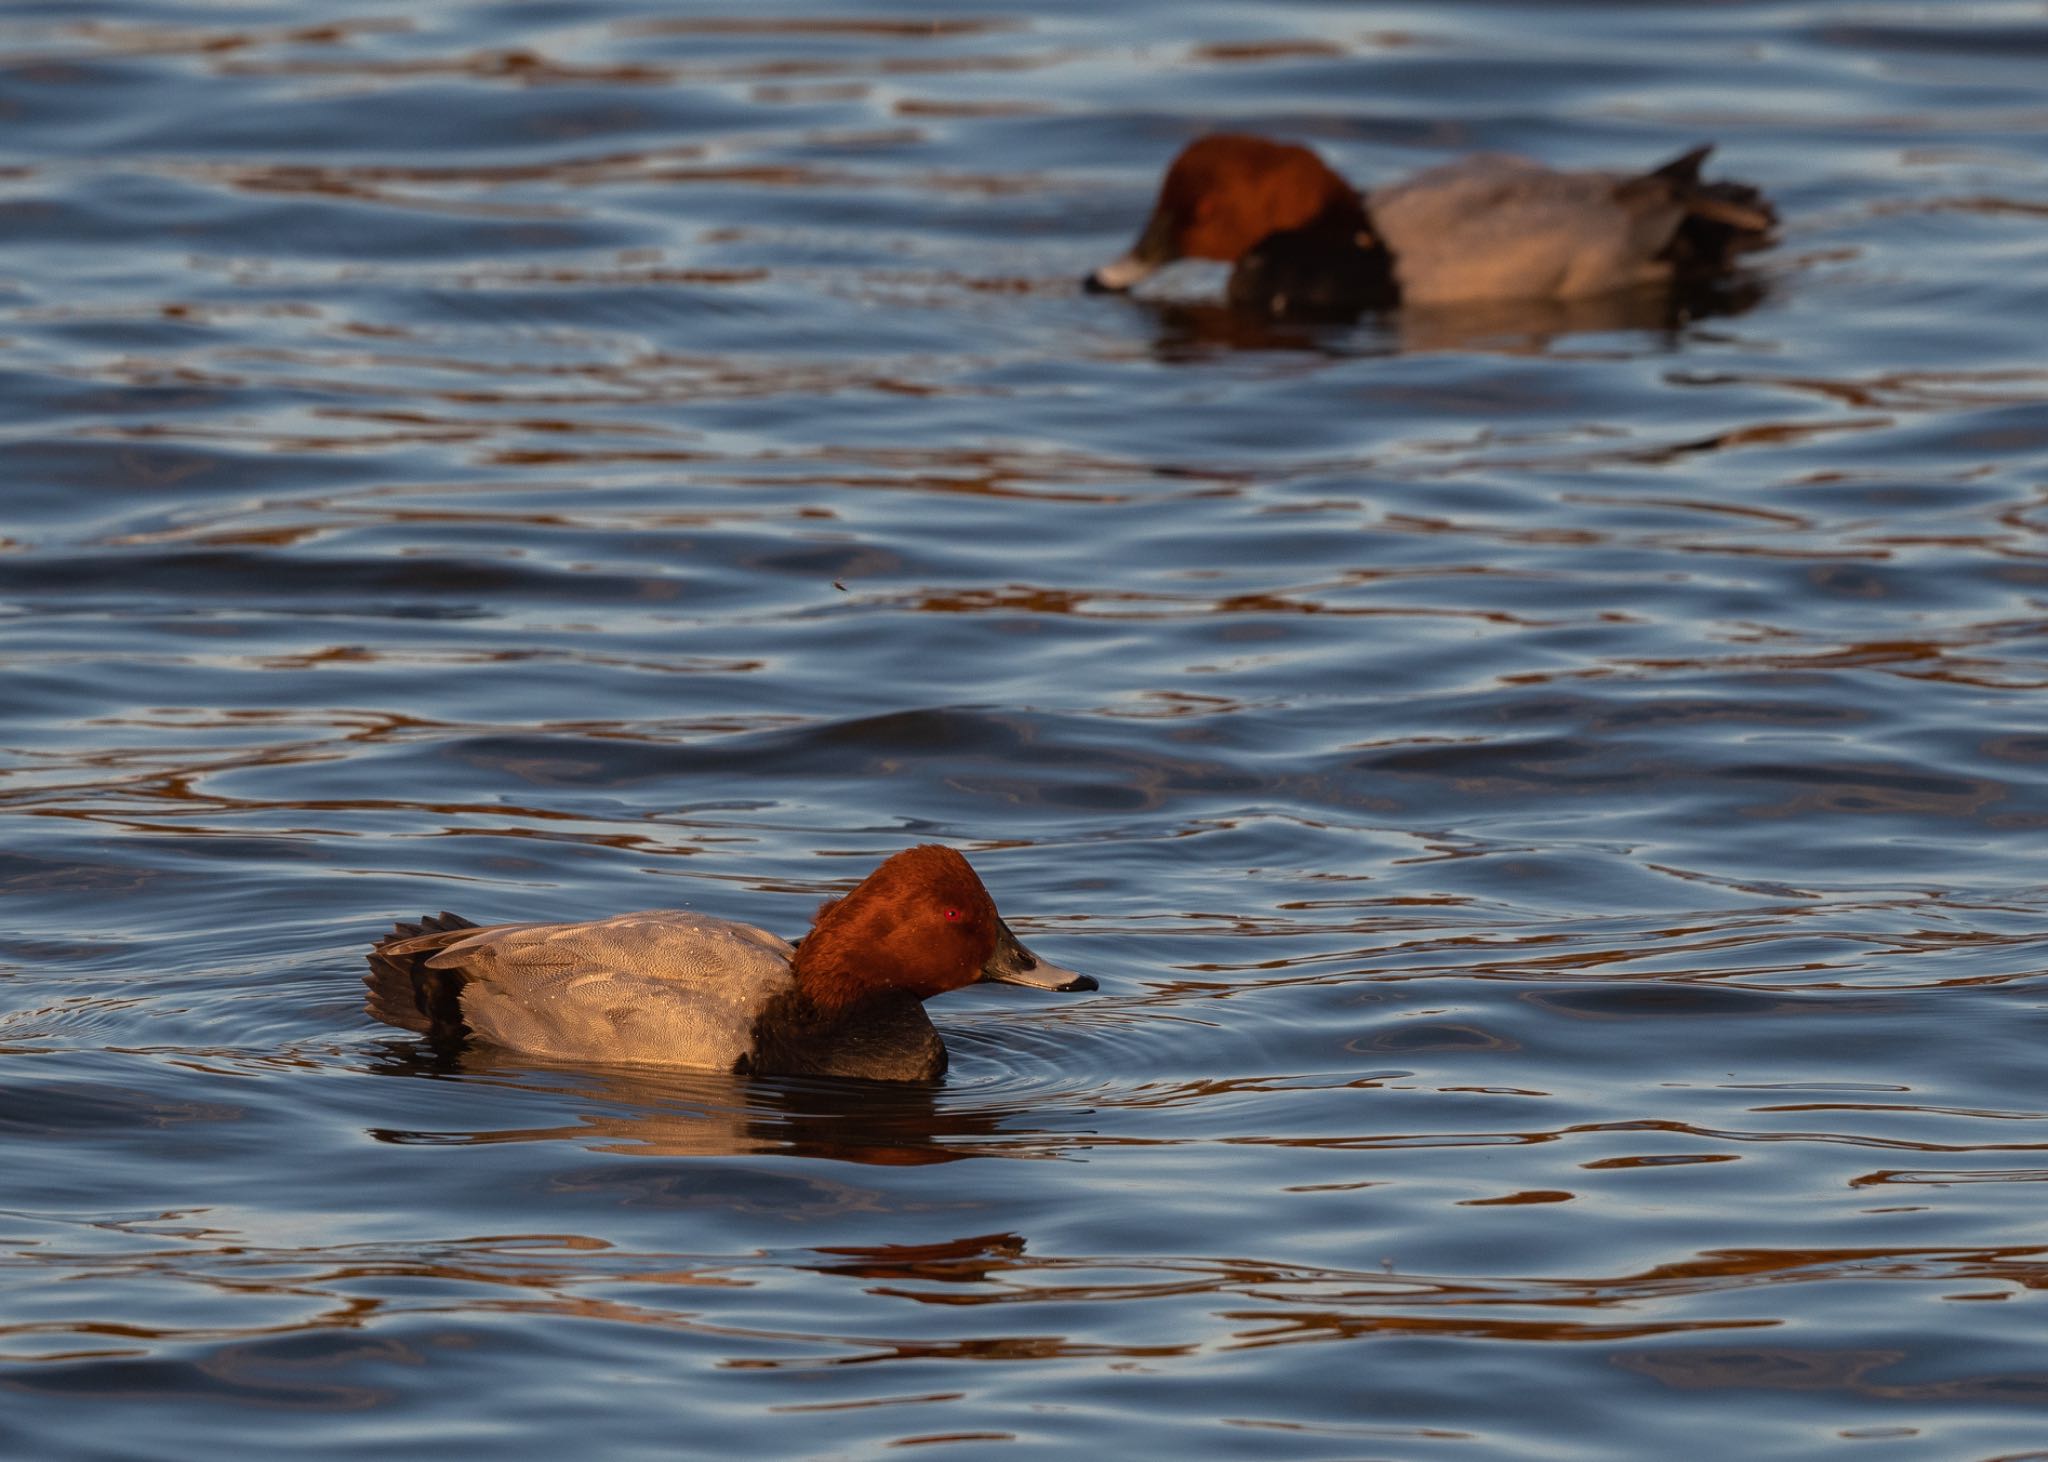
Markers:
point(674, 988)
point(1304, 244)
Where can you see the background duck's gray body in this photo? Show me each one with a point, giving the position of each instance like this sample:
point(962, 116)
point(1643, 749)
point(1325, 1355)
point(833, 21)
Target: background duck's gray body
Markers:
point(1494, 227)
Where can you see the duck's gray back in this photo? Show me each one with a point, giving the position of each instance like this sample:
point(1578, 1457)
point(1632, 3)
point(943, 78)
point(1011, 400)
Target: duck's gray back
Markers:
point(661, 986)
point(1492, 226)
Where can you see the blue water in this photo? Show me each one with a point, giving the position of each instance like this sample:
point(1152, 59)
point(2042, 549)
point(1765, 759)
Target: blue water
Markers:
point(1556, 800)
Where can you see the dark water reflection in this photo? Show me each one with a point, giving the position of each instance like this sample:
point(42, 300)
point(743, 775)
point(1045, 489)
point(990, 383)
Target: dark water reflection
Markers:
point(1554, 797)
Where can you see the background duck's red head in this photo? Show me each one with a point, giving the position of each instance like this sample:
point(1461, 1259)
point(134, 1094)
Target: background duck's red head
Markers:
point(920, 924)
point(1222, 195)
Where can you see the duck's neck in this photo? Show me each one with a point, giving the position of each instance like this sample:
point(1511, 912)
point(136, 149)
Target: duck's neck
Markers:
point(825, 986)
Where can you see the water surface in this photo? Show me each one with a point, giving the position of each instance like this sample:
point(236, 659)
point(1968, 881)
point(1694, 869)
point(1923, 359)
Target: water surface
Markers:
point(1555, 799)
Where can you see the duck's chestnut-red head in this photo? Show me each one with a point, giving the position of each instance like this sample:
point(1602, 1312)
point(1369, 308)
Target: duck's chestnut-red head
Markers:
point(920, 924)
point(1222, 195)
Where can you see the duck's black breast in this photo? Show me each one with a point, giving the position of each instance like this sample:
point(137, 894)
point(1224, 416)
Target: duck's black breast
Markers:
point(889, 1039)
point(1331, 268)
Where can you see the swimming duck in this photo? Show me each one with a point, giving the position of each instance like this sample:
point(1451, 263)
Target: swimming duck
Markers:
point(1490, 227)
point(683, 989)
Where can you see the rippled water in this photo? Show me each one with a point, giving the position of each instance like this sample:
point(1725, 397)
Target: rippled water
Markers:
point(1556, 801)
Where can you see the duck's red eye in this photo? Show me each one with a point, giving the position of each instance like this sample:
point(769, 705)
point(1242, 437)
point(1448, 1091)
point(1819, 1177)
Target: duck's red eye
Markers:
point(952, 916)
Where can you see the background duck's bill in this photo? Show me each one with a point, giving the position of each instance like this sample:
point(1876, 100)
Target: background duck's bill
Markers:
point(1117, 276)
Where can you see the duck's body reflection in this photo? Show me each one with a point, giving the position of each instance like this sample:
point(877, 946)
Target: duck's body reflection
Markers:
point(657, 1112)
point(1191, 329)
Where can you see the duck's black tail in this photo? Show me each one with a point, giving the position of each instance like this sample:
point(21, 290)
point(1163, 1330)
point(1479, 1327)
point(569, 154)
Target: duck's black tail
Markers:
point(1722, 219)
point(405, 992)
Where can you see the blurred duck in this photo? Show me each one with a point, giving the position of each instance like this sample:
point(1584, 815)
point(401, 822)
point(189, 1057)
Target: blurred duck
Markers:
point(1490, 227)
point(681, 989)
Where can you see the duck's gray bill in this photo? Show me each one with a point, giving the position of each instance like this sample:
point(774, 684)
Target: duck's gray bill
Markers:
point(1117, 276)
point(1013, 964)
